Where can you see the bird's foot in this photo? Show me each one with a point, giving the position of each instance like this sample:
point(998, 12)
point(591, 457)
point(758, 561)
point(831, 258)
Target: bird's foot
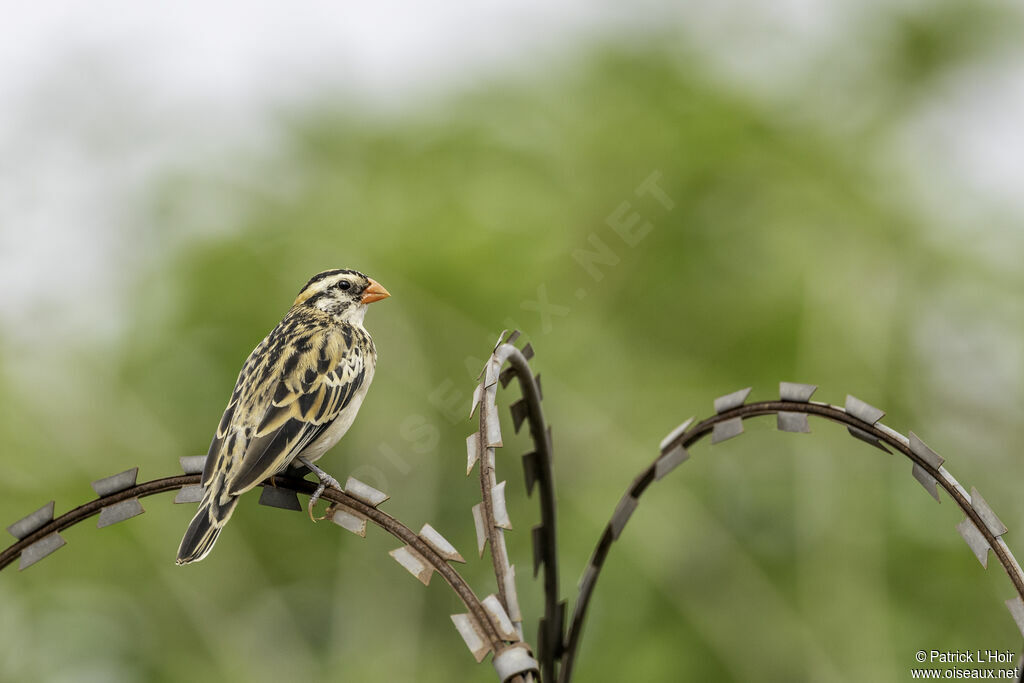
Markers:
point(325, 481)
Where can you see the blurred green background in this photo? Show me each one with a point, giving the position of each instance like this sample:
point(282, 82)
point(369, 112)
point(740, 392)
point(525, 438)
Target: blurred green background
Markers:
point(791, 242)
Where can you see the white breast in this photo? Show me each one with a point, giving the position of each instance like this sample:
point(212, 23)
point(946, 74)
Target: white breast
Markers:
point(341, 423)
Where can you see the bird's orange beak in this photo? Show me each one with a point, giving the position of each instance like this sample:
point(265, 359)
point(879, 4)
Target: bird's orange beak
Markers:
point(375, 292)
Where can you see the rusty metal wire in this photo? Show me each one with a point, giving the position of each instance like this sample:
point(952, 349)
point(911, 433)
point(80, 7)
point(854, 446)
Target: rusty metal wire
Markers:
point(491, 515)
point(53, 526)
point(494, 624)
point(480, 620)
point(981, 529)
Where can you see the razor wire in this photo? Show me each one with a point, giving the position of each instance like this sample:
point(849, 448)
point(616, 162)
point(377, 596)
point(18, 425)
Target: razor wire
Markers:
point(485, 627)
point(494, 624)
point(490, 516)
point(981, 529)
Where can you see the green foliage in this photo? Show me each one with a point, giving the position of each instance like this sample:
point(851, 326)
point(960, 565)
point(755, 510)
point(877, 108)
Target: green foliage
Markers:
point(776, 252)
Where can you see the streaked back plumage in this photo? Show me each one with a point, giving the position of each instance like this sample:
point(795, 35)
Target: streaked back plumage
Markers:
point(312, 369)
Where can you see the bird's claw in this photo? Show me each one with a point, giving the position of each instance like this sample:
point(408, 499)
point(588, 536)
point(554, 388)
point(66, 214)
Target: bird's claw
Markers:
point(313, 500)
point(325, 481)
point(316, 497)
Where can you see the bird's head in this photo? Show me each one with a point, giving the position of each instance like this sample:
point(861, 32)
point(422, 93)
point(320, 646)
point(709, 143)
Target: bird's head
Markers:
point(342, 293)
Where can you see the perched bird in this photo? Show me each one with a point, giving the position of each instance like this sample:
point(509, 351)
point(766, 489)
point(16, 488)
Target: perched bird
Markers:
point(297, 394)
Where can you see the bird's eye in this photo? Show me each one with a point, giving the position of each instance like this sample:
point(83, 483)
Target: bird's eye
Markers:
point(344, 285)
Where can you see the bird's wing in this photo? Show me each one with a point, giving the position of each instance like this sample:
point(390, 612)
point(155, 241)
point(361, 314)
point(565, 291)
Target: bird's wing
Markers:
point(235, 426)
point(312, 381)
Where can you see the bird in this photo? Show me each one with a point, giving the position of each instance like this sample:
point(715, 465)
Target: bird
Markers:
point(297, 394)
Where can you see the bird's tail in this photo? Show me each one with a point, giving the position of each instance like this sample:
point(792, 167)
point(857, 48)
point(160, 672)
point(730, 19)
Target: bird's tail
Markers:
point(206, 526)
